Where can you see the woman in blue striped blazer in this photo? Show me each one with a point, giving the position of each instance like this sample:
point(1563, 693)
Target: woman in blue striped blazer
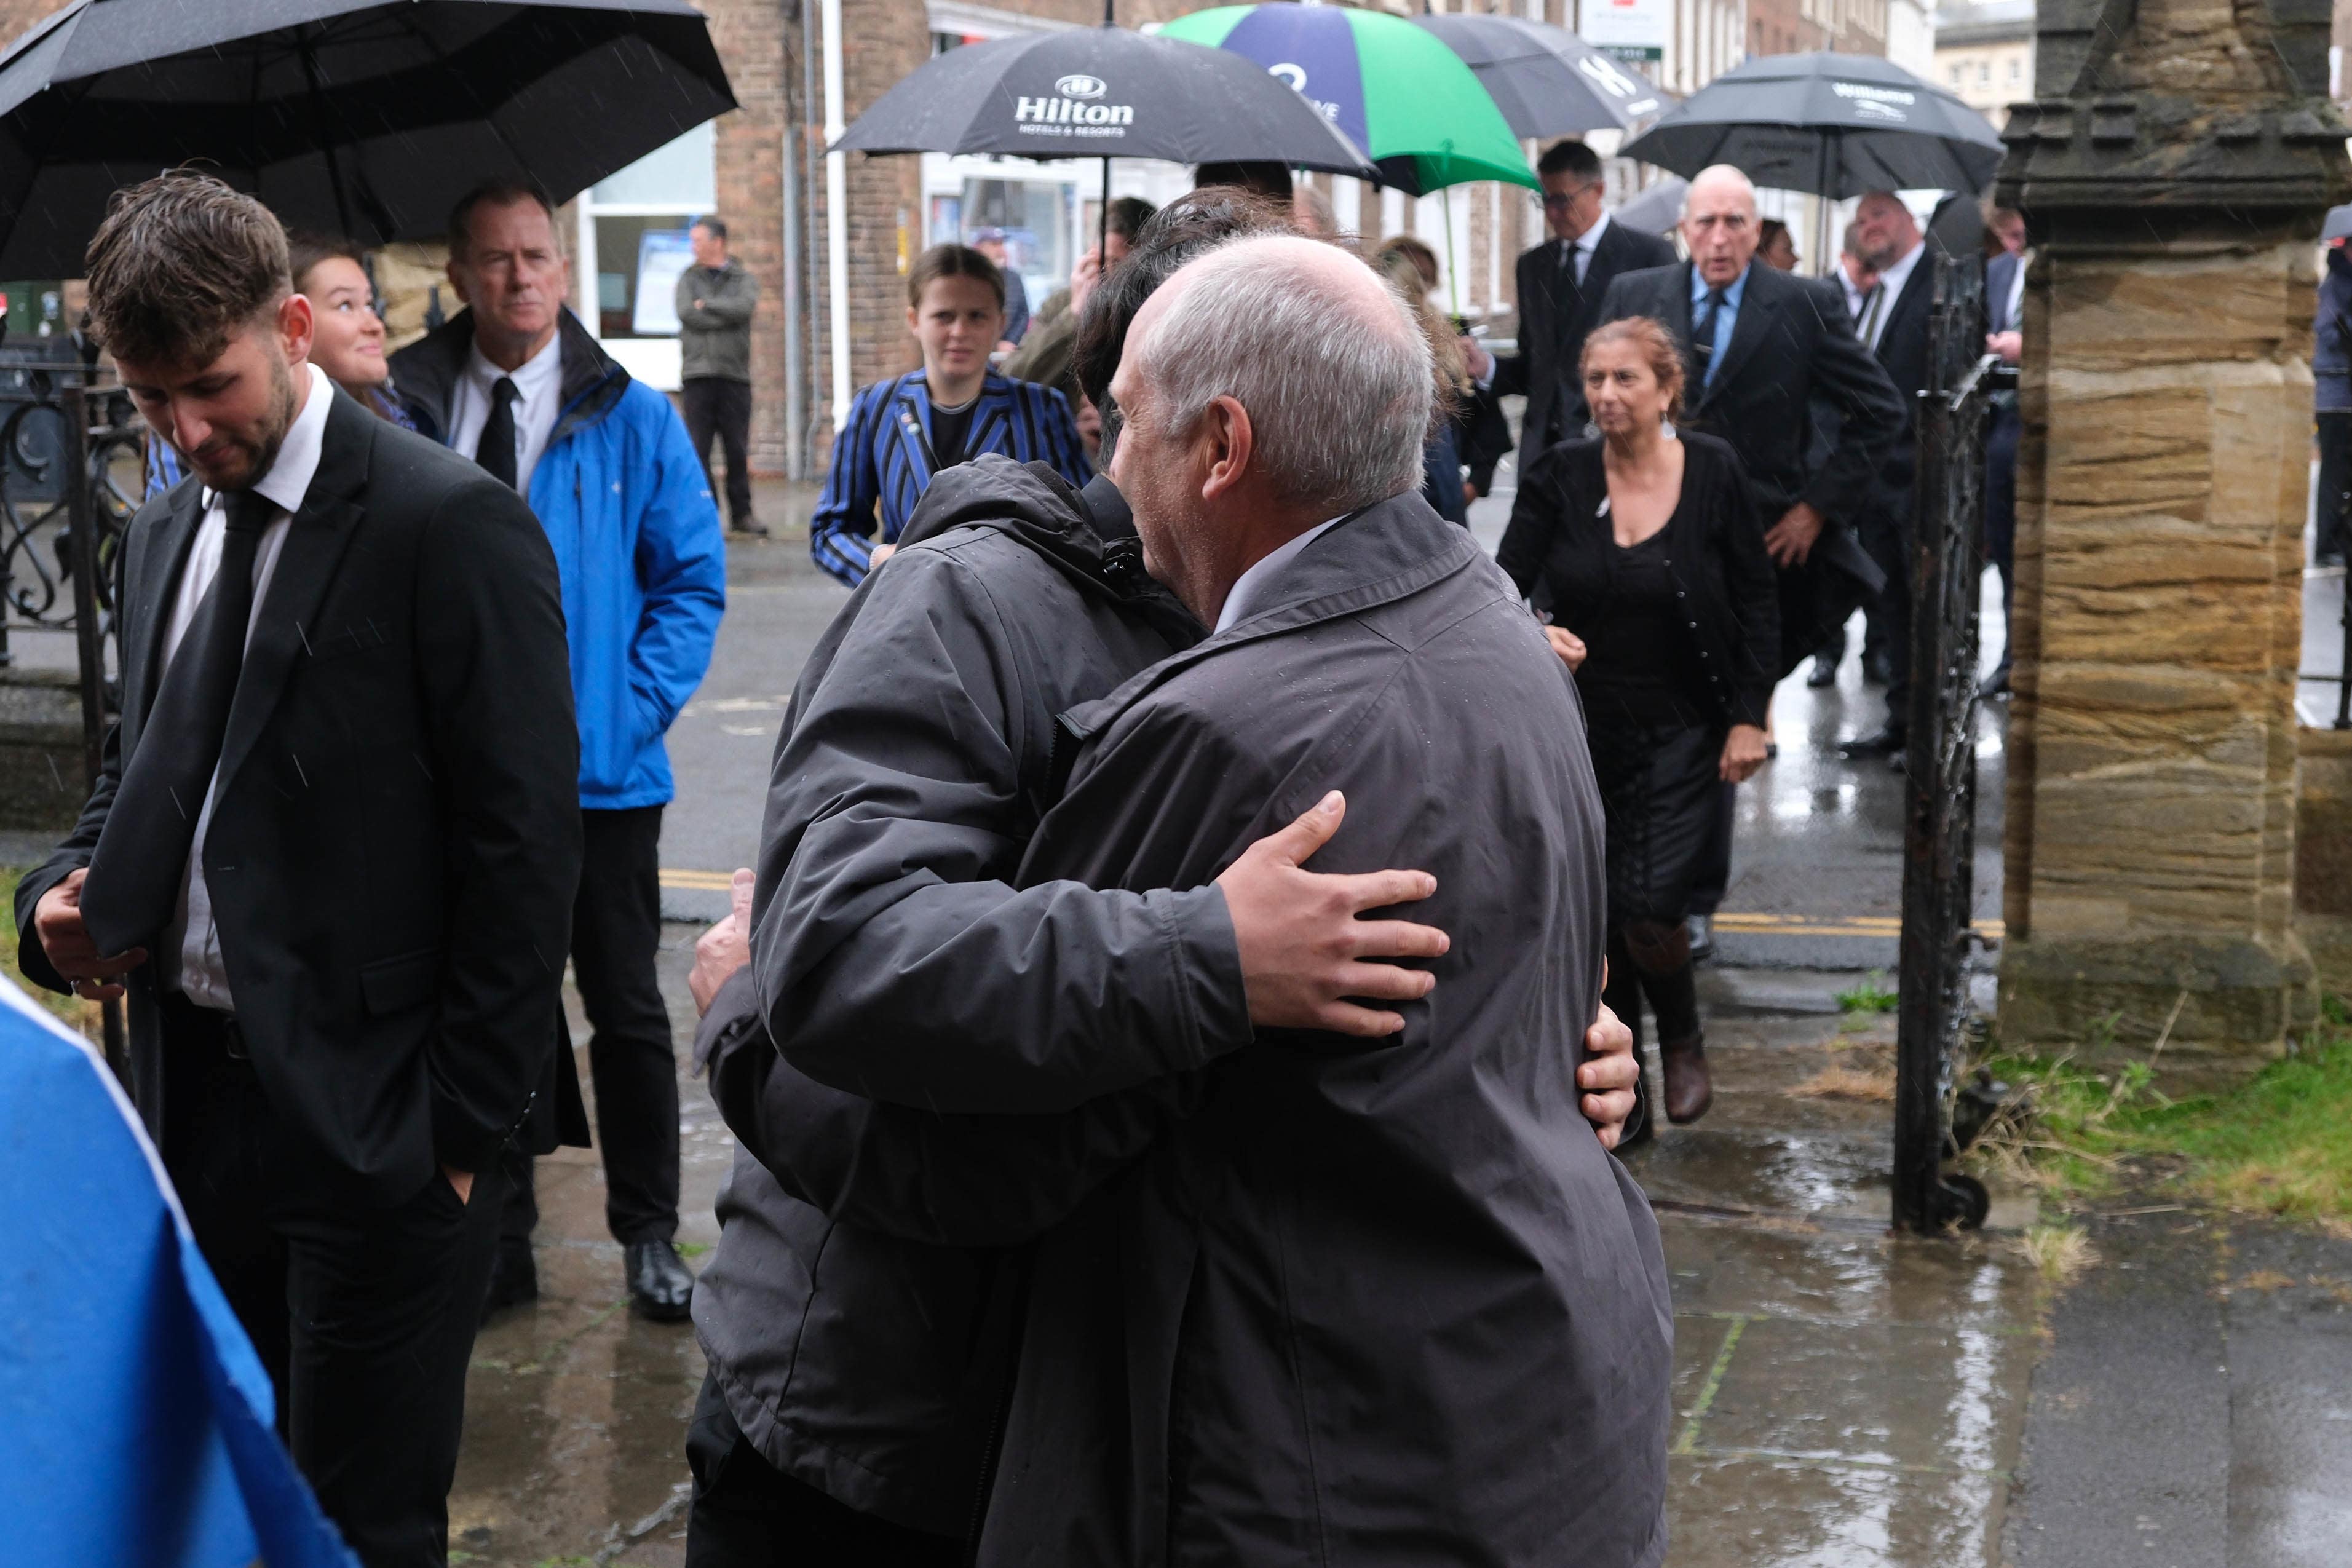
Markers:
point(902, 431)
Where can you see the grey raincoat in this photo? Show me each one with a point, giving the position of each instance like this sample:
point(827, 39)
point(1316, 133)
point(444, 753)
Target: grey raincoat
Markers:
point(912, 772)
point(1364, 1304)
point(1318, 1300)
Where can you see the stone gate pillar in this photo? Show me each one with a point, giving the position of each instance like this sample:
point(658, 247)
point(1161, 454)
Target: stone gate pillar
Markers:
point(2173, 172)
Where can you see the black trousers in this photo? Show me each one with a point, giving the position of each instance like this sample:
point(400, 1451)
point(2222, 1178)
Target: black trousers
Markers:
point(746, 1513)
point(717, 405)
point(1887, 534)
point(615, 932)
point(364, 1317)
point(2335, 498)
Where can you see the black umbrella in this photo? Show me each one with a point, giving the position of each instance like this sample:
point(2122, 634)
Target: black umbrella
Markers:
point(1102, 92)
point(362, 116)
point(1835, 125)
point(1546, 79)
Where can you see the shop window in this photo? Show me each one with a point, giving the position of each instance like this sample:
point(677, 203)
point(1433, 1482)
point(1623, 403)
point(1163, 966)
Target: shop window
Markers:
point(633, 247)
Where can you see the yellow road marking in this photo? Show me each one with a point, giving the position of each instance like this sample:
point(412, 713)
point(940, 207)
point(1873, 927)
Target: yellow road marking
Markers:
point(698, 881)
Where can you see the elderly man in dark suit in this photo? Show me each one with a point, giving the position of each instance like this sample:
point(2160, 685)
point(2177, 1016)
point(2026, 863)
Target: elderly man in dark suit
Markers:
point(330, 854)
point(1769, 357)
point(1561, 283)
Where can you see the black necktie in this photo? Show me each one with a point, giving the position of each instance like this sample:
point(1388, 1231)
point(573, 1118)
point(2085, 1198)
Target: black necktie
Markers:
point(496, 450)
point(1703, 336)
point(142, 852)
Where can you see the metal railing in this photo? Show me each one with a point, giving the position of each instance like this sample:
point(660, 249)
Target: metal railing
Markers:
point(70, 479)
point(1940, 789)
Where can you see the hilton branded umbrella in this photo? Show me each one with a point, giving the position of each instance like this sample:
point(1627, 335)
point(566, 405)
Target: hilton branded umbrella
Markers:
point(1401, 95)
point(1835, 125)
point(370, 117)
point(1546, 79)
point(1100, 93)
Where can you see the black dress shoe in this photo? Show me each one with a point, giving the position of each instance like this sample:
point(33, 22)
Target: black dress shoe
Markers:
point(514, 1278)
point(1824, 671)
point(754, 529)
point(1884, 741)
point(661, 1286)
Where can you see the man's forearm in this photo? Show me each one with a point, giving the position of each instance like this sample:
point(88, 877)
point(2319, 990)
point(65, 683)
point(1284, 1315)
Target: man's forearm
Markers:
point(952, 1180)
point(974, 996)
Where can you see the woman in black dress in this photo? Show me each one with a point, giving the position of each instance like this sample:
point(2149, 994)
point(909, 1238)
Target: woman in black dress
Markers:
point(1644, 552)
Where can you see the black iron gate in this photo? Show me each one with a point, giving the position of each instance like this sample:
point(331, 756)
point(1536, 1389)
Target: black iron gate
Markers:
point(1941, 798)
point(70, 477)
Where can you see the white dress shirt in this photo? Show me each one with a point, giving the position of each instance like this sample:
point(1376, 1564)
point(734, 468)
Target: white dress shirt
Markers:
point(201, 975)
point(1890, 286)
point(1583, 244)
point(539, 383)
point(1252, 582)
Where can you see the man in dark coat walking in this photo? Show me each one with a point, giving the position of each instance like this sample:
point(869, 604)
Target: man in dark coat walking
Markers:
point(1894, 329)
point(1561, 283)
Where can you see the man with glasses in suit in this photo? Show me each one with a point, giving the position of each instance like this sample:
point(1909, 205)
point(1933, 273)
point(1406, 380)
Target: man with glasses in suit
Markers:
point(1561, 282)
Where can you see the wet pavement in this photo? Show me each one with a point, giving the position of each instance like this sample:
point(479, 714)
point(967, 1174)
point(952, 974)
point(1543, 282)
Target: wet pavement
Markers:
point(1842, 1396)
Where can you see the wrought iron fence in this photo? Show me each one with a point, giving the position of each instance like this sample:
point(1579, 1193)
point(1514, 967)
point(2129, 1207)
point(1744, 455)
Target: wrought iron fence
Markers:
point(1940, 796)
point(71, 475)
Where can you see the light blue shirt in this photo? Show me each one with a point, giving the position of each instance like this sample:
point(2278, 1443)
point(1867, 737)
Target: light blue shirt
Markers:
point(1726, 317)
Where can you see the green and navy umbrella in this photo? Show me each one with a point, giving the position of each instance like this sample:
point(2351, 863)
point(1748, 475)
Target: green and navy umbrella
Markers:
point(1390, 87)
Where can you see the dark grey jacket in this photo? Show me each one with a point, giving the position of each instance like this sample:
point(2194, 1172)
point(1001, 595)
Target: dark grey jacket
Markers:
point(714, 338)
point(910, 776)
point(1387, 1304)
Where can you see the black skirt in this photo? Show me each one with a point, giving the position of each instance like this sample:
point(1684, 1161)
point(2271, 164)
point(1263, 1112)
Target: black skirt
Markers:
point(1658, 765)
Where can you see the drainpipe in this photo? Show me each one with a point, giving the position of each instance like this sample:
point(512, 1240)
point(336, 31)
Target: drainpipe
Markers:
point(837, 218)
point(795, 406)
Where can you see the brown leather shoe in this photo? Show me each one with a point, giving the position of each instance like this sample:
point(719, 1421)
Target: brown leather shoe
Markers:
point(1688, 1089)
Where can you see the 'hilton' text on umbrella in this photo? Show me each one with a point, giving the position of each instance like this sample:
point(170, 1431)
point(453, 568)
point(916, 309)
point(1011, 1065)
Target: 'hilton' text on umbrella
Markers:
point(1068, 114)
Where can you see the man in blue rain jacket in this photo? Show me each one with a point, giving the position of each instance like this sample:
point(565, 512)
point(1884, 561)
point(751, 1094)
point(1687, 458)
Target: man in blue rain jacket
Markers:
point(516, 382)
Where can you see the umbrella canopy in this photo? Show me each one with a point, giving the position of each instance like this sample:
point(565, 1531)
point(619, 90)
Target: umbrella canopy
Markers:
point(359, 116)
point(1099, 93)
point(1394, 89)
point(1546, 79)
point(1657, 208)
point(1835, 125)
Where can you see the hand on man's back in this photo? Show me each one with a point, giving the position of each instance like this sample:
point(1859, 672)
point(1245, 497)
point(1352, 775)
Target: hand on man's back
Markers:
point(1305, 951)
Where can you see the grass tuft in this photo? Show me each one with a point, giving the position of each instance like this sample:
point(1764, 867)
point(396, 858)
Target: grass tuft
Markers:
point(1869, 995)
point(2058, 1253)
point(2280, 1144)
point(1839, 1081)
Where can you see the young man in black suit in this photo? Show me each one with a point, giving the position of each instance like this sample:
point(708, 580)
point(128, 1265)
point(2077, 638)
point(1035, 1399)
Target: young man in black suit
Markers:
point(1765, 353)
point(1894, 327)
point(1561, 283)
point(330, 853)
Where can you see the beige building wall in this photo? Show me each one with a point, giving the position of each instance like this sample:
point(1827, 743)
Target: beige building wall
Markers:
point(1987, 76)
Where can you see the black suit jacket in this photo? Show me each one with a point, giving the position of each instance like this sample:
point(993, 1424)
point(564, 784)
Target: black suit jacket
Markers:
point(394, 842)
point(1903, 354)
point(1555, 316)
point(1793, 362)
